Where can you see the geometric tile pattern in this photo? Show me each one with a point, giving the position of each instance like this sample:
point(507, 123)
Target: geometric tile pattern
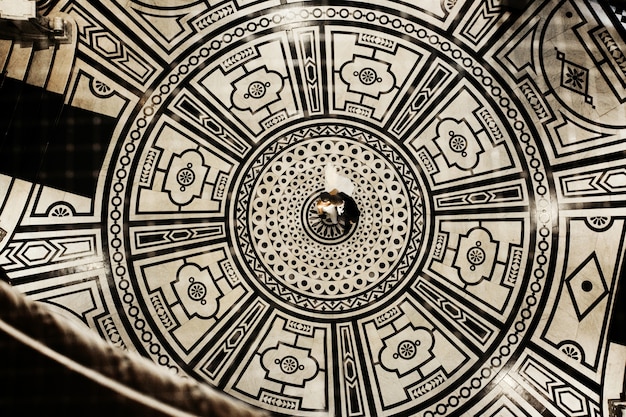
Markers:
point(486, 149)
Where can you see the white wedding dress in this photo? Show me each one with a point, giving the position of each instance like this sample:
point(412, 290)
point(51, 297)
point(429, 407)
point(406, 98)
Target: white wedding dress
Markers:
point(335, 181)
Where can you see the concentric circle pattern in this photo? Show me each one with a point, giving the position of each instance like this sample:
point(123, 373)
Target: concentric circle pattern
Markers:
point(422, 302)
point(486, 150)
point(309, 263)
point(484, 141)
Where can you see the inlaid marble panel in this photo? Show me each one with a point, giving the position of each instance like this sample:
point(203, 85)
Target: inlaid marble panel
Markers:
point(486, 147)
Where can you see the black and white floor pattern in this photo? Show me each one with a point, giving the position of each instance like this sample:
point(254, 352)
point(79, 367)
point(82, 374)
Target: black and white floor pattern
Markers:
point(169, 204)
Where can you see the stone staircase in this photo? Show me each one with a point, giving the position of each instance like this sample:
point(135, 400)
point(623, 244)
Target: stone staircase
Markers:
point(42, 139)
point(43, 61)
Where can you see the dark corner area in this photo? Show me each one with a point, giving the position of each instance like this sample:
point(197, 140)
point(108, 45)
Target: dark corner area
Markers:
point(49, 143)
point(617, 333)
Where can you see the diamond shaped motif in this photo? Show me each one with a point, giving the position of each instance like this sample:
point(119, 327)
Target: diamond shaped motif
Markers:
point(586, 286)
point(574, 77)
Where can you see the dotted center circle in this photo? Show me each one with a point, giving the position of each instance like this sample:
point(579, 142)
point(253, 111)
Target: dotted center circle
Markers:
point(334, 268)
point(316, 266)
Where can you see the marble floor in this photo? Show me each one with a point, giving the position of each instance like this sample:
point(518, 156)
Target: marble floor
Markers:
point(160, 164)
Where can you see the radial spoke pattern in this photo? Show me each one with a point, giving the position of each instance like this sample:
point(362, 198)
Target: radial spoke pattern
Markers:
point(485, 145)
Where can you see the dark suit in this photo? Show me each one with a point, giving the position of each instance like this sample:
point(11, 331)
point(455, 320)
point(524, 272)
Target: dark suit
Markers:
point(351, 211)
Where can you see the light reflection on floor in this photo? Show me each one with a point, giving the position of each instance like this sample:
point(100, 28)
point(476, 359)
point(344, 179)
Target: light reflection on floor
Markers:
point(160, 178)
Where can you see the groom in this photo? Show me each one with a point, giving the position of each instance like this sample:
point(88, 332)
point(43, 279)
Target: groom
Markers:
point(338, 202)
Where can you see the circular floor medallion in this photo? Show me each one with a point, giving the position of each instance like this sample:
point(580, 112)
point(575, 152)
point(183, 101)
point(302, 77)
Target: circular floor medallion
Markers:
point(225, 272)
point(307, 263)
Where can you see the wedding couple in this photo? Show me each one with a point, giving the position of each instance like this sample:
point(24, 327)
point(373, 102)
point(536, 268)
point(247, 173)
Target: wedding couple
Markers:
point(337, 202)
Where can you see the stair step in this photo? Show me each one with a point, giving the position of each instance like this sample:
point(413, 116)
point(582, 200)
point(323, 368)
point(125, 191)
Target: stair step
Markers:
point(40, 67)
point(5, 50)
point(19, 60)
point(61, 68)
